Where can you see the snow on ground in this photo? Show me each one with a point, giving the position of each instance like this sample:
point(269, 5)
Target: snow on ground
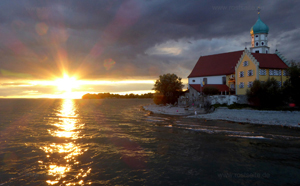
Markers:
point(284, 118)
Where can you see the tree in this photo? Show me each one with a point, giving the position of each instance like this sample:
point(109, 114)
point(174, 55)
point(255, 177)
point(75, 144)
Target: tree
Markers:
point(292, 85)
point(167, 89)
point(267, 94)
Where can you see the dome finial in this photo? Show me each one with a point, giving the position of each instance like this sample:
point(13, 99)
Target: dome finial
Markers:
point(259, 27)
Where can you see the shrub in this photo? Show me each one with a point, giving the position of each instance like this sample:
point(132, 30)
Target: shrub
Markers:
point(267, 94)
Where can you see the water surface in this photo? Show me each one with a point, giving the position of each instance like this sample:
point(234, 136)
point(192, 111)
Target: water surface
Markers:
point(113, 142)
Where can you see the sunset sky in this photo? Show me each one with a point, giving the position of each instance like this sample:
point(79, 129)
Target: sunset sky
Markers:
point(55, 49)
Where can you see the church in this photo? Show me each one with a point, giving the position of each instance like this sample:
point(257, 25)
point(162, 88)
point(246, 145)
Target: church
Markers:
point(234, 72)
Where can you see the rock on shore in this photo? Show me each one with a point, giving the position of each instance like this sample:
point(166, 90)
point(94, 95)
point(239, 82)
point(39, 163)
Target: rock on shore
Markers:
point(283, 118)
point(172, 110)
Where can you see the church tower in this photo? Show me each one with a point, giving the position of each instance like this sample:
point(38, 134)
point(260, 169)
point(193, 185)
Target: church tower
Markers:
point(259, 34)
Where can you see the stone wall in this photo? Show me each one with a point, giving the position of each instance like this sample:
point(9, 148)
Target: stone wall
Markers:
point(198, 101)
point(228, 99)
point(185, 101)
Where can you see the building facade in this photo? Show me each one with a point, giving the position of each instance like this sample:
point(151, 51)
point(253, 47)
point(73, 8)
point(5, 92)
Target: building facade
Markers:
point(234, 72)
point(257, 66)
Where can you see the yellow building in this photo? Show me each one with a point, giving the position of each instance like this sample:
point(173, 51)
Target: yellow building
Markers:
point(258, 66)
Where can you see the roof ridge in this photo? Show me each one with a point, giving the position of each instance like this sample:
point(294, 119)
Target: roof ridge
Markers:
point(222, 53)
point(262, 53)
point(282, 58)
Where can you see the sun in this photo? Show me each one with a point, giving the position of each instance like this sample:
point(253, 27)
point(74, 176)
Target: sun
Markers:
point(66, 84)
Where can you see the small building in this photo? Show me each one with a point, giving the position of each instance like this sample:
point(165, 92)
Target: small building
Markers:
point(234, 72)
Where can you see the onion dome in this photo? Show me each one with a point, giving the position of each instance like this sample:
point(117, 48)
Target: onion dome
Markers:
point(259, 27)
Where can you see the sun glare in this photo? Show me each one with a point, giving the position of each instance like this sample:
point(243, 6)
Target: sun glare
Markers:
point(66, 83)
point(66, 86)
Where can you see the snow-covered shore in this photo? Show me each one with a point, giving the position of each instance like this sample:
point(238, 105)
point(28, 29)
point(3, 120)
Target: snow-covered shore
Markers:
point(284, 118)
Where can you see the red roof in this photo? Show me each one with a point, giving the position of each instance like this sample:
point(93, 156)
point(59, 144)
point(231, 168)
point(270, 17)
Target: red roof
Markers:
point(224, 64)
point(221, 88)
point(269, 61)
point(218, 64)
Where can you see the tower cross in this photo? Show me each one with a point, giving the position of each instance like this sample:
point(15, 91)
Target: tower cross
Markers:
point(258, 10)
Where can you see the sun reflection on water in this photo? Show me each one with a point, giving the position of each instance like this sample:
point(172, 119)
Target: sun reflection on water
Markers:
point(68, 127)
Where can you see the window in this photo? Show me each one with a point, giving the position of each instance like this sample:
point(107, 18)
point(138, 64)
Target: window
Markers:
point(266, 51)
point(257, 51)
point(250, 84)
point(274, 72)
point(224, 80)
point(262, 43)
point(285, 73)
point(193, 80)
point(279, 83)
point(241, 73)
point(246, 63)
point(262, 72)
point(256, 43)
point(256, 36)
point(250, 72)
point(205, 81)
point(241, 85)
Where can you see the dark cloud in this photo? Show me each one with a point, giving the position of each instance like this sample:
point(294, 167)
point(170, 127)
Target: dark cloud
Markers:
point(143, 38)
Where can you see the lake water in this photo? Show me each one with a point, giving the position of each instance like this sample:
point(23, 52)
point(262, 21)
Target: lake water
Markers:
point(113, 142)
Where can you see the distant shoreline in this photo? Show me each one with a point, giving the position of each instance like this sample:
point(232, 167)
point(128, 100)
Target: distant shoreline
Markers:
point(114, 98)
point(109, 95)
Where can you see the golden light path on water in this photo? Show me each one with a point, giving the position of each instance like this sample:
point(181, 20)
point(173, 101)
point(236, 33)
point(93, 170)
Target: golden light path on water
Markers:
point(68, 128)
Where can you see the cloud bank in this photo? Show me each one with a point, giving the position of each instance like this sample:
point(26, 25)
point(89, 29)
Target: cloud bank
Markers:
point(132, 39)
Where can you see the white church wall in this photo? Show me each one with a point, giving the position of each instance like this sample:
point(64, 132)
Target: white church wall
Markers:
point(210, 79)
point(195, 80)
point(253, 50)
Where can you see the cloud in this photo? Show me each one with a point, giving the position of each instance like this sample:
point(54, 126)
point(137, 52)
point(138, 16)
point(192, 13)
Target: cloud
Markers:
point(16, 84)
point(144, 39)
